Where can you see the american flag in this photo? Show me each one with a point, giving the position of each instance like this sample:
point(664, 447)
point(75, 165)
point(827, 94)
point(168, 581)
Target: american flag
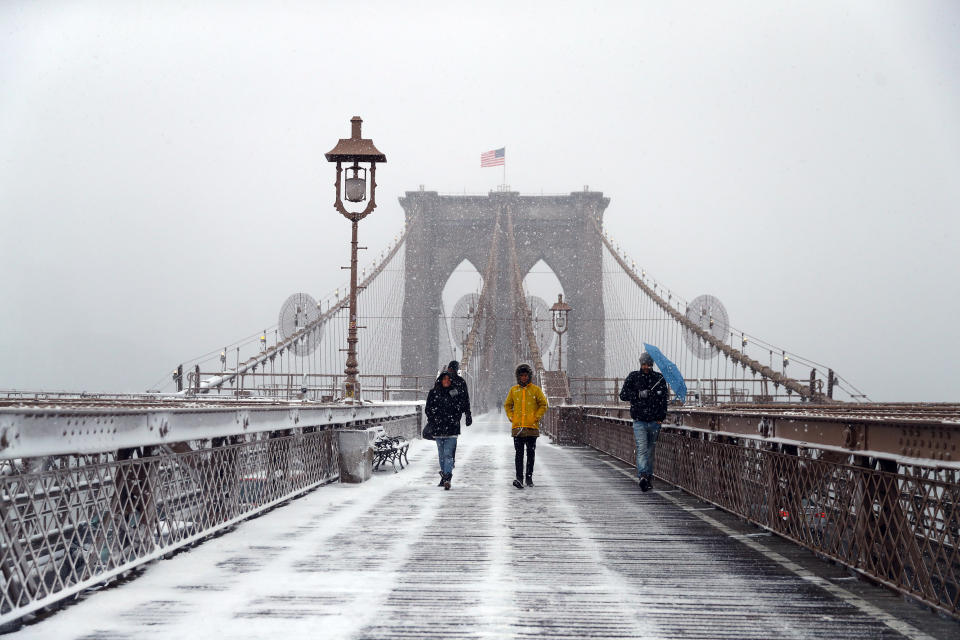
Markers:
point(494, 158)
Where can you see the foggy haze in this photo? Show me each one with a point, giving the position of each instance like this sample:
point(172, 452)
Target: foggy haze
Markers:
point(163, 187)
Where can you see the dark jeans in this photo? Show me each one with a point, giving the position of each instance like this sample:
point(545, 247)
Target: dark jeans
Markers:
point(645, 434)
point(530, 442)
point(447, 451)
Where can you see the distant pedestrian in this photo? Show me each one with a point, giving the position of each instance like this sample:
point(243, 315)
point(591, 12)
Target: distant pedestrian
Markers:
point(460, 386)
point(525, 405)
point(647, 393)
point(443, 414)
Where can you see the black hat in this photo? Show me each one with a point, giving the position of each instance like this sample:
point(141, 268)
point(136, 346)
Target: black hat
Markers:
point(646, 358)
point(454, 365)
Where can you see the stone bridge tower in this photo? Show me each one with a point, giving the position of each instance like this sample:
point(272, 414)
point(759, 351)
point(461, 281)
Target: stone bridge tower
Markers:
point(556, 229)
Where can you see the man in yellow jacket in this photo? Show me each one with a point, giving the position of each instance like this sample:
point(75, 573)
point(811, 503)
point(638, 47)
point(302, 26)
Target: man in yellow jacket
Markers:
point(525, 405)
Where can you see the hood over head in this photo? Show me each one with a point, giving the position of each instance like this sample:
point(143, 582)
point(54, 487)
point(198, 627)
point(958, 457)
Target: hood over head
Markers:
point(439, 383)
point(524, 367)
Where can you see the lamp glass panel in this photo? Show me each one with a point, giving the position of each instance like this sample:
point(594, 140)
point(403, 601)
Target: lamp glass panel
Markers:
point(356, 189)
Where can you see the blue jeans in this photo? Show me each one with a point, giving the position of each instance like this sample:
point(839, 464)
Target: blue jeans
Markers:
point(645, 433)
point(447, 450)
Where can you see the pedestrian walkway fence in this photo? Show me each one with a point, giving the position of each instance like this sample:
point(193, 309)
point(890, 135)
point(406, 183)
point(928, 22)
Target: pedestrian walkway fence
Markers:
point(71, 521)
point(896, 522)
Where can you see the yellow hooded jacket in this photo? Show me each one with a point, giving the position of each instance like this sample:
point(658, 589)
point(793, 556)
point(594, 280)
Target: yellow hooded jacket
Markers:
point(525, 406)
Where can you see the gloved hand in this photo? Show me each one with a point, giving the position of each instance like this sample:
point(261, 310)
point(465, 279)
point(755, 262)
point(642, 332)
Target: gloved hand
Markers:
point(469, 419)
point(644, 393)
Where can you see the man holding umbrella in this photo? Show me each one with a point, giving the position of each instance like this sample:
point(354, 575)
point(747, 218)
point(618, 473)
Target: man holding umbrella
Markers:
point(647, 393)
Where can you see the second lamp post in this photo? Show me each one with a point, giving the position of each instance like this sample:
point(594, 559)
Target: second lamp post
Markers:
point(559, 311)
point(357, 150)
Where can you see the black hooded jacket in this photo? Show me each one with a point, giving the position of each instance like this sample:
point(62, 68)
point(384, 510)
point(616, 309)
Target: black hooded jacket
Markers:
point(463, 394)
point(652, 408)
point(444, 409)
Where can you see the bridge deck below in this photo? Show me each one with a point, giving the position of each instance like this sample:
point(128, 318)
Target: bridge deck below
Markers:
point(582, 555)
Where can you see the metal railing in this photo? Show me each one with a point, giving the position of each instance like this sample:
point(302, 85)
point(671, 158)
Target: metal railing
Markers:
point(891, 518)
point(69, 521)
point(321, 387)
point(700, 391)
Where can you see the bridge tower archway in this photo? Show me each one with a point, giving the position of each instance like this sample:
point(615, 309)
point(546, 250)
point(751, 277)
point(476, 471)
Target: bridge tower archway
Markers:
point(459, 297)
point(446, 230)
point(542, 287)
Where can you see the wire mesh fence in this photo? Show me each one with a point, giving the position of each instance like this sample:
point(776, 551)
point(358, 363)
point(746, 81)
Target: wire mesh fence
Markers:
point(896, 523)
point(70, 522)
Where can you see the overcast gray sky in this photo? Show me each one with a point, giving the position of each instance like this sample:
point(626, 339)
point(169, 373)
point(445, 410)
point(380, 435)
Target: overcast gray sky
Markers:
point(163, 186)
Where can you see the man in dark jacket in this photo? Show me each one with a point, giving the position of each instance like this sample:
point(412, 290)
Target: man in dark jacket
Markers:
point(647, 393)
point(460, 386)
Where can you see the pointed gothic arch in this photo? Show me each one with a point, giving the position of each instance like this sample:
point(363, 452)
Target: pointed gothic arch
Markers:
point(445, 230)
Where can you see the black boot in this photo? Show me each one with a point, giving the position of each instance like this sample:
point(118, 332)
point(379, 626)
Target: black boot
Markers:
point(446, 481)
point(518, 483)
point(644, 484)
point(529, 480)
point(440, 484)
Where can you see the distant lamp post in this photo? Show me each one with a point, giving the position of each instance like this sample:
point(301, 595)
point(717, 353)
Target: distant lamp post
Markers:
point(357, 150)
point(559, 311)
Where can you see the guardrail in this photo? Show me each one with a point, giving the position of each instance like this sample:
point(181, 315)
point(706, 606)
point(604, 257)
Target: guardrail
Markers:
point(851, 486)
point(92, 489)
point(700, 391)
point(321, 387)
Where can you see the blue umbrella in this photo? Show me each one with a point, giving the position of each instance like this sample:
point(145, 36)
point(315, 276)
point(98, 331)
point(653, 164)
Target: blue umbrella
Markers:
point(669, 370)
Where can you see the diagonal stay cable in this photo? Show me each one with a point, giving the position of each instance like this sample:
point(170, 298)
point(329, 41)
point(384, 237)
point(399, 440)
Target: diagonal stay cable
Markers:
point(280, 347)
point(520, 300)
point(484, 303)
point(734, 354)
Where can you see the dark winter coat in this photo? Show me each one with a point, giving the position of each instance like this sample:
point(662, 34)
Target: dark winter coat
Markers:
point(443, 410)
point(463, 395)
point(653, 407)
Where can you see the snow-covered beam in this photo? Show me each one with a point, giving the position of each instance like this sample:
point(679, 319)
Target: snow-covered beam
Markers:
point(51, 428)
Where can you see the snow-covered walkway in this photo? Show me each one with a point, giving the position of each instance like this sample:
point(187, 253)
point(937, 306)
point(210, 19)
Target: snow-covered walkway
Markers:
point(582, 555)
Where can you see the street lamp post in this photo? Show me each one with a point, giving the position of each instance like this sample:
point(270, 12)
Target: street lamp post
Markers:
point(357, 150)
point(559, 311)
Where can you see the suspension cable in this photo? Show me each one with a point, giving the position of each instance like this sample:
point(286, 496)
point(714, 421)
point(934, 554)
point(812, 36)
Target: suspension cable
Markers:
point(317, 324)
point(484, 303)
point(719, 345)
point(521, 307)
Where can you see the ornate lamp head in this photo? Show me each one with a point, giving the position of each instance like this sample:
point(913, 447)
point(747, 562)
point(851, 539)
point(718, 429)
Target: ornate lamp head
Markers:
point(559, 311)
point(357, 150)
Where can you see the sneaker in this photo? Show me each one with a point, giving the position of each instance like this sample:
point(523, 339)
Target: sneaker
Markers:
point(518, 484)
point(529, 481)
point(644, 484)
